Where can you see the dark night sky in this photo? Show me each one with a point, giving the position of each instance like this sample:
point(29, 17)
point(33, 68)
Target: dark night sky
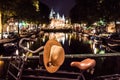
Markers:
point(61, 6)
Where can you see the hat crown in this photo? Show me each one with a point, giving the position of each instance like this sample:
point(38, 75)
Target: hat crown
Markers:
point(55, 54)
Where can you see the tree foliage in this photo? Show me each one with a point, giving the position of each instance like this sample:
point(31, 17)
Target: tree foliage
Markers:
point(92, 10)
point(24, 10)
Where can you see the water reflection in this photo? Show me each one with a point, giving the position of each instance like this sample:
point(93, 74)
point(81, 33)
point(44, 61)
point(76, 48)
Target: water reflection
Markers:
point(73, 43)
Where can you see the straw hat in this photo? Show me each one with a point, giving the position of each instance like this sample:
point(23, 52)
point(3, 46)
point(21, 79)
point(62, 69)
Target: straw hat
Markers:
point(53, 55)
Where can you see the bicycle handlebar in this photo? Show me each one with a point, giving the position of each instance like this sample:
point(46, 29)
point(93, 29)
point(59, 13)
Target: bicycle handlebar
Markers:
point(27, 49)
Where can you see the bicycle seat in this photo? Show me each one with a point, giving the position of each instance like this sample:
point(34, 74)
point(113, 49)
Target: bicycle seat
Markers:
point(84, 64)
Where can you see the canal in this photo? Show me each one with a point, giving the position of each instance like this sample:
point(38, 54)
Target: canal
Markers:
point(73, 43)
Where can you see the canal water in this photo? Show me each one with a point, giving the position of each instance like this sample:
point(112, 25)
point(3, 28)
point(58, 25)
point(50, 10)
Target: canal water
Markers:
point(73, 43)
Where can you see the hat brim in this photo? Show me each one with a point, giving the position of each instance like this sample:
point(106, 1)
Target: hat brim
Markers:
point(46, 55)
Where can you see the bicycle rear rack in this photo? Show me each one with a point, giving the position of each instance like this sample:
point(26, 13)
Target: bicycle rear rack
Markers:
point(108, 77)
point(42, 74)
point(16, 71)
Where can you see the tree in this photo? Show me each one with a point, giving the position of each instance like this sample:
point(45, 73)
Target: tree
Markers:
point(93, 10)
point(6, 9)
point(85, 10)
point(111, 9)
point(26, 10)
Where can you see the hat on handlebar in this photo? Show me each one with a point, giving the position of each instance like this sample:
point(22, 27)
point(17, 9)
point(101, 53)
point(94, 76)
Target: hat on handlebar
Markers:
point(53, 55)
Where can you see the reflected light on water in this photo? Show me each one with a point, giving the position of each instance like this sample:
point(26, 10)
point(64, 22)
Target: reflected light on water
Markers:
point(17, 52)
point(60, 37)
point(28, 45)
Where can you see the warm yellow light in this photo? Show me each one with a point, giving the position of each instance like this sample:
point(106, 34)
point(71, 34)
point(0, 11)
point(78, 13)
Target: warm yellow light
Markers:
point(36, 4)
point(1, 63)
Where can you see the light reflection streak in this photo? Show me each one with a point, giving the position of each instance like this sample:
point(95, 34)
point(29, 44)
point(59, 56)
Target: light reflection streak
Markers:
point(1, 65)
